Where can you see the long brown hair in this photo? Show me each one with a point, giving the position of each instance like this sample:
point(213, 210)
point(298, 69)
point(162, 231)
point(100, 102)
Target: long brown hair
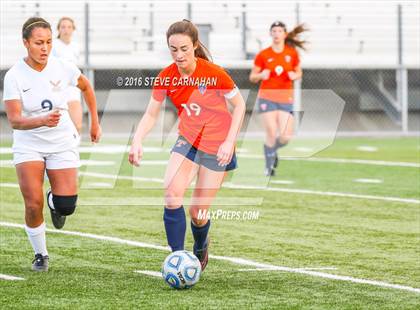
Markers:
point(188, 28)
point(292, 36)
point(31, 24)
point(63, 19)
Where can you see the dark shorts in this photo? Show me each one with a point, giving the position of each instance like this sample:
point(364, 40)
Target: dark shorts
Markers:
point(183, 147)
point(265, 105)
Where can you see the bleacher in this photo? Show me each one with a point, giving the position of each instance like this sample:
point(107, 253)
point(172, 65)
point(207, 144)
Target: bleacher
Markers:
point(342, 34)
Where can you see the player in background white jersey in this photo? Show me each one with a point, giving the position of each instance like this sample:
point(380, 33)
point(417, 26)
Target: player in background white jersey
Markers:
point(66, 48)
point(44, 137)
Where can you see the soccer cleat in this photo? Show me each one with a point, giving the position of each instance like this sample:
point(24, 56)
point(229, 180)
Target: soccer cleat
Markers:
point(203, 254)
point(57, 219)
point(40, 263)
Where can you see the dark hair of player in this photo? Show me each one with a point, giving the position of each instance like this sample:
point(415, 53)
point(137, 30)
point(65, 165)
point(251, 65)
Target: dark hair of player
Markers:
point(31, 24)
point(188, 28)
point(63, 19)
point(292, 36)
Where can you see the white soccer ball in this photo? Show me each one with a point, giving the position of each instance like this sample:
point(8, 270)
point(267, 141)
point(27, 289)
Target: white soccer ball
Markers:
point(181, 269)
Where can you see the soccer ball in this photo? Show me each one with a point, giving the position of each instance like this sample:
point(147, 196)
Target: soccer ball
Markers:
point(181, 269)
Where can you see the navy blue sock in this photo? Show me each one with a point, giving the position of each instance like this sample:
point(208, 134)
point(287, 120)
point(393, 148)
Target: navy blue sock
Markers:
point(175, 226)
point(200, 234)
point(270, 156)
point(279, 144)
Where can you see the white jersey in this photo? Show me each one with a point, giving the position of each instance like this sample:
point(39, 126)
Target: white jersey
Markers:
point(39, 93)
point(68, 52)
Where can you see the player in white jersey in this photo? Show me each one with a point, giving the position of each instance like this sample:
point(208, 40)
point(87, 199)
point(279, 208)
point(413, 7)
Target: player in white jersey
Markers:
point(44, 137)
point(66, 48)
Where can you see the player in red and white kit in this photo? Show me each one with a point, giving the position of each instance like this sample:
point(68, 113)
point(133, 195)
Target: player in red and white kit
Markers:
point(277, 67)
point(205, 148)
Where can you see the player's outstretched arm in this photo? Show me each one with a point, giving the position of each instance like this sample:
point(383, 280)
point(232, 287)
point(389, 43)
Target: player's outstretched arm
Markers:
point(296, 74)
point(257, 74)
point(90, 99)
point(18, 121)
point(226, 149)
point(145, 125)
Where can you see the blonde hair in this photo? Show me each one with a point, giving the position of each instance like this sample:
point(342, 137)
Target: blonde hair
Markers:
point(63, 19)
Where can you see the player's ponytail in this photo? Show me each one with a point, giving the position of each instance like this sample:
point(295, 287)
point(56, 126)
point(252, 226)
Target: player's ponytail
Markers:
point(188, 28)
point(31, 24)
point(292, 38)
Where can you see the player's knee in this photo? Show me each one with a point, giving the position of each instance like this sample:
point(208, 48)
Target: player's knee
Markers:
point(65, 205)
point(198, 217)
point(33, 207)
point(173, 197)
point(284, 139)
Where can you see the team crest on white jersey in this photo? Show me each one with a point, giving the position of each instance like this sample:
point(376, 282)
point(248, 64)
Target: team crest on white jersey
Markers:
point(56, 85)
point(287, 58)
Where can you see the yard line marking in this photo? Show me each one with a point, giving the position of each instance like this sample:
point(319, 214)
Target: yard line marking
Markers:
point(282, 182)
point(99, 184)
point(6, 163)
point(320, 193)
point(234, 260)
point(100, 149)
point(373, 181)
point(340, 161)
point(10, 278)
point(13, 185)
point(87, 162)
point(367, 148)
point(118, 149)
point(362, 162)
point(263, 188)
point(275, 269)
point(150, 273)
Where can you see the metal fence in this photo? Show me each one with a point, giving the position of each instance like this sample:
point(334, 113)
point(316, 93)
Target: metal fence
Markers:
point(379, 97)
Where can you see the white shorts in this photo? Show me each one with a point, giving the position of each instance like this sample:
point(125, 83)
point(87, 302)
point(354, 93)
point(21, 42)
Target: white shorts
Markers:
point(73, 94)
point(60, 160)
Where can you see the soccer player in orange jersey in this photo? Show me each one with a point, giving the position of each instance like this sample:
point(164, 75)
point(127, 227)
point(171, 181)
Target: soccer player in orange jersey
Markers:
point(277, 67)
point(205, 148)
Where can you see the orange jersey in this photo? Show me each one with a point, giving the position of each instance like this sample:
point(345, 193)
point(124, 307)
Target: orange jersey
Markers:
point(278, 87)
point(204, 119)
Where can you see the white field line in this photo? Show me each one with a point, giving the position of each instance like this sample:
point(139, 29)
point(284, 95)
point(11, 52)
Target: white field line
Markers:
point(234, 260)
point(372, 181)
point(282, 181)
point(118, 149)
point(367, 148)
point(275, 269)
point(340, 161)
point(10, 278)
point(150, 273)
point(13, 185)
point(320, 193)
point(263, 188)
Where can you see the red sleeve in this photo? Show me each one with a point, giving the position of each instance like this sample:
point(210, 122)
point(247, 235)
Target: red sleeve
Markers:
point(259, 60)
point(159, 90)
